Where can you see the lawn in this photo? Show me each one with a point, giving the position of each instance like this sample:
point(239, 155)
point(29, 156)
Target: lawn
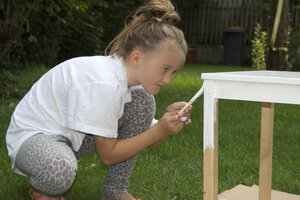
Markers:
point(174, 171)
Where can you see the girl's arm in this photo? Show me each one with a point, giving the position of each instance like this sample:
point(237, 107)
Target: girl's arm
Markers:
point(111, 151)
point(156, 144)
point(175, 107)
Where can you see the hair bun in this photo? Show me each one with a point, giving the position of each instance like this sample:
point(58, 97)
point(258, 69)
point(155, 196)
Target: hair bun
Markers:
point(162, 11)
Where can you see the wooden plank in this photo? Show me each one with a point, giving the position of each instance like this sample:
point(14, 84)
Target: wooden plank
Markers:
point(190, 24)
point(255, 10)
point(204, 21)
point(296, 16)
point(222, 22)
point(211, 22)
point(261, 17)
point(236, 10)
point(231, 13)
point(218, 20)
point(247, 14)
point(227, 7)
point(266, 144)
point(215, 24)
point(201, 19)
point(194, 30)
point(246, 21)
point(242, 13)
point(186, 28)
point(207, 22)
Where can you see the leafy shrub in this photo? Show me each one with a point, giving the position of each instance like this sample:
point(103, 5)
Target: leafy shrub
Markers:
point(259, 48)
point(49, 31)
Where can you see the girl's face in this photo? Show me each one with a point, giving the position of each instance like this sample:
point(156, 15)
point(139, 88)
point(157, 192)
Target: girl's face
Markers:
point(156, 68)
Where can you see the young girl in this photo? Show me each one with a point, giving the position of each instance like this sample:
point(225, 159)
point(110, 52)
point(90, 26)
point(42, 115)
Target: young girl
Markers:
point(90, 103)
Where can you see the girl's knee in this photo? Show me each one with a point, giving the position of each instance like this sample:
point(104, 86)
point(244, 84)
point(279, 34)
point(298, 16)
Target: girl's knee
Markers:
point(140, 110)
point(58, 176)
point(49, 162)
point(142, 98)
point(138, 114)
point(142, 104)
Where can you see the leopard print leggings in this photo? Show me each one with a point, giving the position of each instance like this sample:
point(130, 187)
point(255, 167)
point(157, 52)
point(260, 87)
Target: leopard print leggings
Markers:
point(51, 162)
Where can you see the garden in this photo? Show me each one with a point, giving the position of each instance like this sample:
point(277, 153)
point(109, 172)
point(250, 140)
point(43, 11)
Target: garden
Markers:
point(37, 35)
point(175, 169)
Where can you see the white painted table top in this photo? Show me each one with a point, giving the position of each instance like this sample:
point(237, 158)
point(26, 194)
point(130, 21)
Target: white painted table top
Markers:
point(279, 77)
point(262, 86)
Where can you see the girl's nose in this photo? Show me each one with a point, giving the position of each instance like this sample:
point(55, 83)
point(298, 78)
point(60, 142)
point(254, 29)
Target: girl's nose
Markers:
point(167, 78)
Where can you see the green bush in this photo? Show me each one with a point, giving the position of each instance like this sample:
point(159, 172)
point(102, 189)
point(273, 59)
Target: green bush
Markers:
point(58, 30)
point(52, 31)
point(259, 48)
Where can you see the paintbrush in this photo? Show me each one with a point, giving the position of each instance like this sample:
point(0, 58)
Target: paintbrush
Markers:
point(198, 94)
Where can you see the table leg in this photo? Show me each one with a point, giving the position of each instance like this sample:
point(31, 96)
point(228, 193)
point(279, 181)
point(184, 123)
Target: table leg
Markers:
point(210, 149)
point(266, 144)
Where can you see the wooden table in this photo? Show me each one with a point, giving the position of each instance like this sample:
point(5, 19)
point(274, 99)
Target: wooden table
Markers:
point(268, 87)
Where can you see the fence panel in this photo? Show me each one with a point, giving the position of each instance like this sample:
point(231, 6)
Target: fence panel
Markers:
point(206, 23)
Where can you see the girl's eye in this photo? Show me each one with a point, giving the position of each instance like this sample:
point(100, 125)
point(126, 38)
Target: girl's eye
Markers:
point(166, 69)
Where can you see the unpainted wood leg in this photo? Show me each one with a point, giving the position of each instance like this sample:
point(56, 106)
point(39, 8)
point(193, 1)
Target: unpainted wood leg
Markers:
point(266, 144)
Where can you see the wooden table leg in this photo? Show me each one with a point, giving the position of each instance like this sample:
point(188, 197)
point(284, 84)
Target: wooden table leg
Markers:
point(210, 149)
point(266, 144)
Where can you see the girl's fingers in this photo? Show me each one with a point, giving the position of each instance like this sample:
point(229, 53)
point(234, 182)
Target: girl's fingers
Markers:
point(182, 117)
point(188, 122)
point(188, 110)
point(180, 104)
point(176, 106)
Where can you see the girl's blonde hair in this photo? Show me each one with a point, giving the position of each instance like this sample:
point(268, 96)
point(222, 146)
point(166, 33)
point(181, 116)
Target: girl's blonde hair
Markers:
point(151, 24)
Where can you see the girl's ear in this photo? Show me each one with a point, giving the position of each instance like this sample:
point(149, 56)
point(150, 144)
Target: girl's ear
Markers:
point(135, 57)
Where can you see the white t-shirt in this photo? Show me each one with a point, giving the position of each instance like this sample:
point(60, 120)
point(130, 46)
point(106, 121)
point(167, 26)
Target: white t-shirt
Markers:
point(80, 95)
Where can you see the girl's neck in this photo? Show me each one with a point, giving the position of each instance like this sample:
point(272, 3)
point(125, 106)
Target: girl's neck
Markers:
point(130, 73)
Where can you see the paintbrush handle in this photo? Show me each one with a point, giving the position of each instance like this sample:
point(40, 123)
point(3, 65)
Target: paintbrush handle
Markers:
point(186, 106)
point(198, 94)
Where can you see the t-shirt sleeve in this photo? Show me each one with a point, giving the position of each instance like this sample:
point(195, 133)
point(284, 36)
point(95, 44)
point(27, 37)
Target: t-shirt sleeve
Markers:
point(94, 109)
point(154, 121)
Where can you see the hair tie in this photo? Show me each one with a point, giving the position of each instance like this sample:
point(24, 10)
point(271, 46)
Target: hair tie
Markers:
point(162, 18)
point(157, 19)
point(166, 14)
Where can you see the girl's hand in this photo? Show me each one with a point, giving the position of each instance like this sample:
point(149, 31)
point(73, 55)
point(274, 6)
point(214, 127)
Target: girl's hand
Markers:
point(170, 123)
point(177, 107)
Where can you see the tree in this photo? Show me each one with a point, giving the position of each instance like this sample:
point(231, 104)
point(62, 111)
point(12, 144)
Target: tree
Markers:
point(13, 18)
point(16, 23)
point(277, 58)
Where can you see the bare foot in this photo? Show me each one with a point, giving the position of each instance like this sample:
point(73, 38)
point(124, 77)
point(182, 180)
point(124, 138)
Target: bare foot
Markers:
point(35, 194)
point(125, 196)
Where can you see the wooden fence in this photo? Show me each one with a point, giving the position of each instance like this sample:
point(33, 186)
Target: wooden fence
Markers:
point(208, 20)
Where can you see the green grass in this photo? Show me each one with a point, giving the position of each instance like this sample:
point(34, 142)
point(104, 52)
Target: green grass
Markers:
point(175, 170)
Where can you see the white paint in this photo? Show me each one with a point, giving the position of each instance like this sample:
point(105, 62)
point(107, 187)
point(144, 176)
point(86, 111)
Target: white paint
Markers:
point(261, 92)
point(209, 147)
point(198, 94)
point(210, 114)
point(261, 86)
point(184, 118)
point(267, 76)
